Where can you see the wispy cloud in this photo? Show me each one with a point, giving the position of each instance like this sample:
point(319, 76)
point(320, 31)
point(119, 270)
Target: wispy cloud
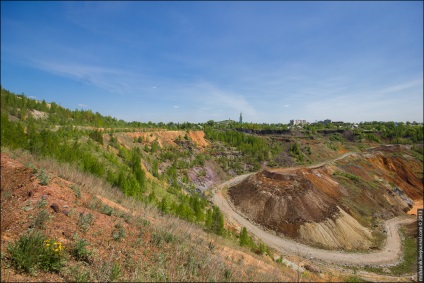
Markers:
point(113, 80)
point(399, 102)
point(176, 106)
point(82, 105)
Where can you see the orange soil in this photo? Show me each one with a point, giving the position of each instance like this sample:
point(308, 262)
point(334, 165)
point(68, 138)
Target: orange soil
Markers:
point(112, 204)
point(417, 205)
point(168, 137)
point(198, 137)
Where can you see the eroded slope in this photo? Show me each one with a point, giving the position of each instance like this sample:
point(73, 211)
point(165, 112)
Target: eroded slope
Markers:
point(337, 205)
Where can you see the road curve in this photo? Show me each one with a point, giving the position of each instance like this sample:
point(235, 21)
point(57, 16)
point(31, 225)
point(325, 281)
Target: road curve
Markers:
point(390, 254)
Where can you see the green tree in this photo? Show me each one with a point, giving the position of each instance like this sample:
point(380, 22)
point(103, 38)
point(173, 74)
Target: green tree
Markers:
point(217, 221)
point(244, 237)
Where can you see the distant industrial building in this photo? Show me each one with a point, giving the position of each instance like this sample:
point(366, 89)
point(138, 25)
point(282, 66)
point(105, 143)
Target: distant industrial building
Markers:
point(298, 122)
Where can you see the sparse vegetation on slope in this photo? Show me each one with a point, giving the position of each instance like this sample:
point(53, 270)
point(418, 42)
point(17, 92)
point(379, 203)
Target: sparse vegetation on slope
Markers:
point(142, 246)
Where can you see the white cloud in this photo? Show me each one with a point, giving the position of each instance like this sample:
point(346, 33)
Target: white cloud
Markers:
point(176, 106)
point(286, 105)
point(82, 105)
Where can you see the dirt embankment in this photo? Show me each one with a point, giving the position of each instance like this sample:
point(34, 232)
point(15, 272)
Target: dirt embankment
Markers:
point(168, 138)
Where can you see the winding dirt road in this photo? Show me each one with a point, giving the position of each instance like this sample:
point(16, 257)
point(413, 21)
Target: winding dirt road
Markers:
point(390, 254)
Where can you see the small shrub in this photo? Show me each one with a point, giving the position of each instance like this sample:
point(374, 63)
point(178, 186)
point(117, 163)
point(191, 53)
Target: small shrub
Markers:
point(41, 203)
point(119, 232)
point(162, 236)
point(211, 246)
point(106, 210)
point(280, 259)
point(40, 220)
point(108, 272)
point(76, 190)
point(25, 251)
point(43, 177)
point(123, 215)
point(144, 222)
point(79, 250)
point(115, 272)
point(85, 221)
point(227, 274)
point(262, 248)
point(32, 167)
point(79, 274)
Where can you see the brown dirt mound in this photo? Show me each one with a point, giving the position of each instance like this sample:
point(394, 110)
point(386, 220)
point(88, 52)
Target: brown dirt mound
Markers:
point(295, 205)
point(282, 202)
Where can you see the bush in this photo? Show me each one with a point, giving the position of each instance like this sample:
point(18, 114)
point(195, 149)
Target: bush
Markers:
point(34, 251)
point(76, 190)
point(42, 217)
point(43, 177)
point(162, 236)
point(96, 136)
point(372, 137)
point(79, 250)
point(119, 232)
point(106, 210)
point(85, 221)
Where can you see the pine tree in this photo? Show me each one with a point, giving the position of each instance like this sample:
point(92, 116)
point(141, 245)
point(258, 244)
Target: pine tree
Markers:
point(244, 237)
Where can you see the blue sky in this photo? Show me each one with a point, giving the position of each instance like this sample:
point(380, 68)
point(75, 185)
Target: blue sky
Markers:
point(200, 61)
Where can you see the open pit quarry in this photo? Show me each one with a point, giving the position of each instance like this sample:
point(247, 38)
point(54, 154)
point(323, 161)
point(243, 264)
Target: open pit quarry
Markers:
point(337, 205)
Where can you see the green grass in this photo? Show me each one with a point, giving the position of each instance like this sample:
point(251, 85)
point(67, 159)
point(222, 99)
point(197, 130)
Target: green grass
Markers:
point(409, 259)
point(354, 278)
point(409, 262)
